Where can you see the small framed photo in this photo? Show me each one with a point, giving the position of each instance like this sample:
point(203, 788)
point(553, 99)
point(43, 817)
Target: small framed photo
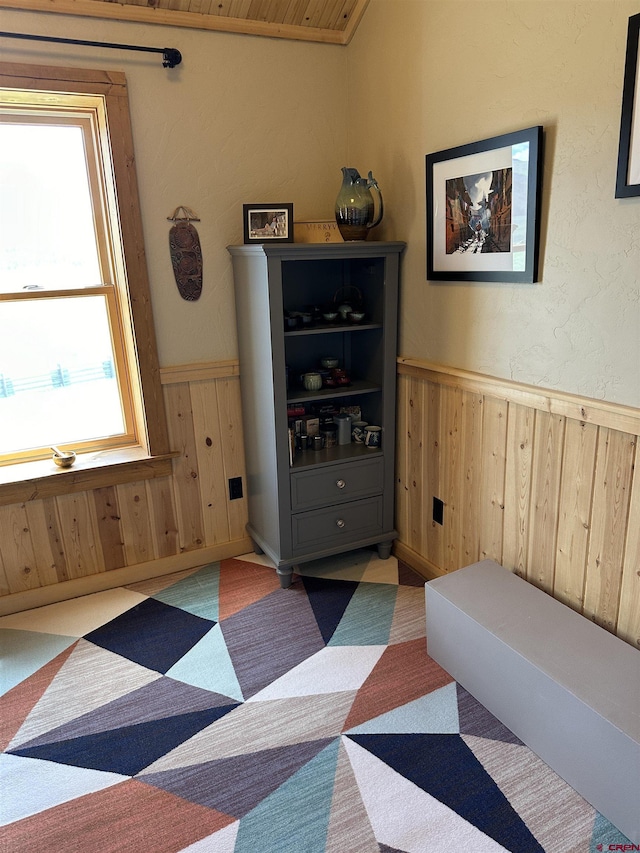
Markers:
point(483, 209)
point(628, 173)
point(268, 223)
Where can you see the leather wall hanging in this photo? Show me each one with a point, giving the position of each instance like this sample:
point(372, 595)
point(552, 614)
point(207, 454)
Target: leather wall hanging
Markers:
point(186, 254)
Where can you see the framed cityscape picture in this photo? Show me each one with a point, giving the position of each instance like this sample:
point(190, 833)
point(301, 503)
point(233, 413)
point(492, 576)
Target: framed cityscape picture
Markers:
point(483, 209)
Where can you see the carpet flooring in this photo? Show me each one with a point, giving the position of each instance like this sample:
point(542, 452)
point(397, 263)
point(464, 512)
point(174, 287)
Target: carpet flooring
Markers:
point(213, 712)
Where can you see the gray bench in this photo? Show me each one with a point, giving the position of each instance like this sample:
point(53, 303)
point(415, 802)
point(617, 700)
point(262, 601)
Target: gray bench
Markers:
point(566, 687)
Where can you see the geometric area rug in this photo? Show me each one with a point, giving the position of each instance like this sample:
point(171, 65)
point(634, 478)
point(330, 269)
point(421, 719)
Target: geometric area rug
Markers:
point(211, 711)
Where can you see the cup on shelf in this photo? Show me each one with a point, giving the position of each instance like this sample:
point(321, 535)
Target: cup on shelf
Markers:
point(329, 362)
point(312, 381)
point(373, 437)
point(358, 429)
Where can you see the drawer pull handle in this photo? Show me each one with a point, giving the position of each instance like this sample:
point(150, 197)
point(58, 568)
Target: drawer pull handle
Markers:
point(340, 484)
point(340, 523)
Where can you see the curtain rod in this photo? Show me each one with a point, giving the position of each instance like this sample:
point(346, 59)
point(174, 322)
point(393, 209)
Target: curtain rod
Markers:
point(170, 55)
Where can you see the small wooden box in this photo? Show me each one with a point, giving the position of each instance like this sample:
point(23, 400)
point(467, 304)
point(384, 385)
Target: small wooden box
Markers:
point(317, 231)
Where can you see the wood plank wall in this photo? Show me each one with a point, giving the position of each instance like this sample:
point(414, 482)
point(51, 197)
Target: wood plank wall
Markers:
point(72, 544)
point(545, 484)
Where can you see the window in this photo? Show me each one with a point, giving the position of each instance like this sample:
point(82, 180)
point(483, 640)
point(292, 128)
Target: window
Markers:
point(78, 363)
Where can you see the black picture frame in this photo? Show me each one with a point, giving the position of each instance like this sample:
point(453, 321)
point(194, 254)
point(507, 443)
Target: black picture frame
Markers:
point(268, 223)
point(483, 209)
point(628, 172)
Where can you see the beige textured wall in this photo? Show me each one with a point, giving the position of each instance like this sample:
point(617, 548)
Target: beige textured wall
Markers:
point(254, 119)
point(242, 119)
point(426, 75)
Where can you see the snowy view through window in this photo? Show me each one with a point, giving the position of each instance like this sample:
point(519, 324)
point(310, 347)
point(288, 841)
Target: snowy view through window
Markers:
point(57, 370)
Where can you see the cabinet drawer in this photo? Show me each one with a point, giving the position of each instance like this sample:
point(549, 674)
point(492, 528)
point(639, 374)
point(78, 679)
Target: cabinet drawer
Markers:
point(336, 483)
point(336, 525)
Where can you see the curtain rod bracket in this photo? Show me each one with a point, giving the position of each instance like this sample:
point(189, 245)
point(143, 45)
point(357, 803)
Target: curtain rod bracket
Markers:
point(171, 57)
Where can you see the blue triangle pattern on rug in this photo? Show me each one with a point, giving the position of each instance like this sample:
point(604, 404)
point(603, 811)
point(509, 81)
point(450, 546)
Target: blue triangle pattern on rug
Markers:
point(328, 602)
point(196, 594)
point(368, 616)
point(445, 767)
point(152, 634)
point(248, 779)
point(195, 666)
point(126, 750)
point(221, 702)
point(25, 652)
point(295, 817)
point(607, 837)
point(157, 701)
point(435, 713)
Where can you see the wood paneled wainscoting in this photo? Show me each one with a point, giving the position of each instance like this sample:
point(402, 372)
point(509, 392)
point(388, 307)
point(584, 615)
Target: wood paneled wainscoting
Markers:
point(72, 544)
point(543, 482)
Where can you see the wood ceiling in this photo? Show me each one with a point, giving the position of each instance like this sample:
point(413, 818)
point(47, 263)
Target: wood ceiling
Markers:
point(326, 21)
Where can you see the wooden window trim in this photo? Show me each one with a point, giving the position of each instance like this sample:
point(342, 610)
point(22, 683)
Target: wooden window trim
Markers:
point(152, 457)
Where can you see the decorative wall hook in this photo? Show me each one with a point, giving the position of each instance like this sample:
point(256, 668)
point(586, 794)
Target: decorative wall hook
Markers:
point(186, 254)
point(188, 215)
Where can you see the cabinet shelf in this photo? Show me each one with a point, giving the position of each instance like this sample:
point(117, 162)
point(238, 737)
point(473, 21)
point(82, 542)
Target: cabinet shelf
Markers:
point(309, 459)
point(356, 388)
point(331, 328)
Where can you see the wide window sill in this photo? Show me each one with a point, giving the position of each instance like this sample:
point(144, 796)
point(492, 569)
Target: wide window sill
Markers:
point(31, 481)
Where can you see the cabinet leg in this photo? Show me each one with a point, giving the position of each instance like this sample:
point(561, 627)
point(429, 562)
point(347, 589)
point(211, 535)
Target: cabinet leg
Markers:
point(285, 577)
point(384, 550)
point(256, 548)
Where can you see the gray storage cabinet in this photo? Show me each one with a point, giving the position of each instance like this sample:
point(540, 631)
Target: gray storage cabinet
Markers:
point(340, 498)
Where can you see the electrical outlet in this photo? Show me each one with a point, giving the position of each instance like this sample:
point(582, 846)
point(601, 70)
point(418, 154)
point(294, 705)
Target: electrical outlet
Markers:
point(235, 488)
point(438, 511)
